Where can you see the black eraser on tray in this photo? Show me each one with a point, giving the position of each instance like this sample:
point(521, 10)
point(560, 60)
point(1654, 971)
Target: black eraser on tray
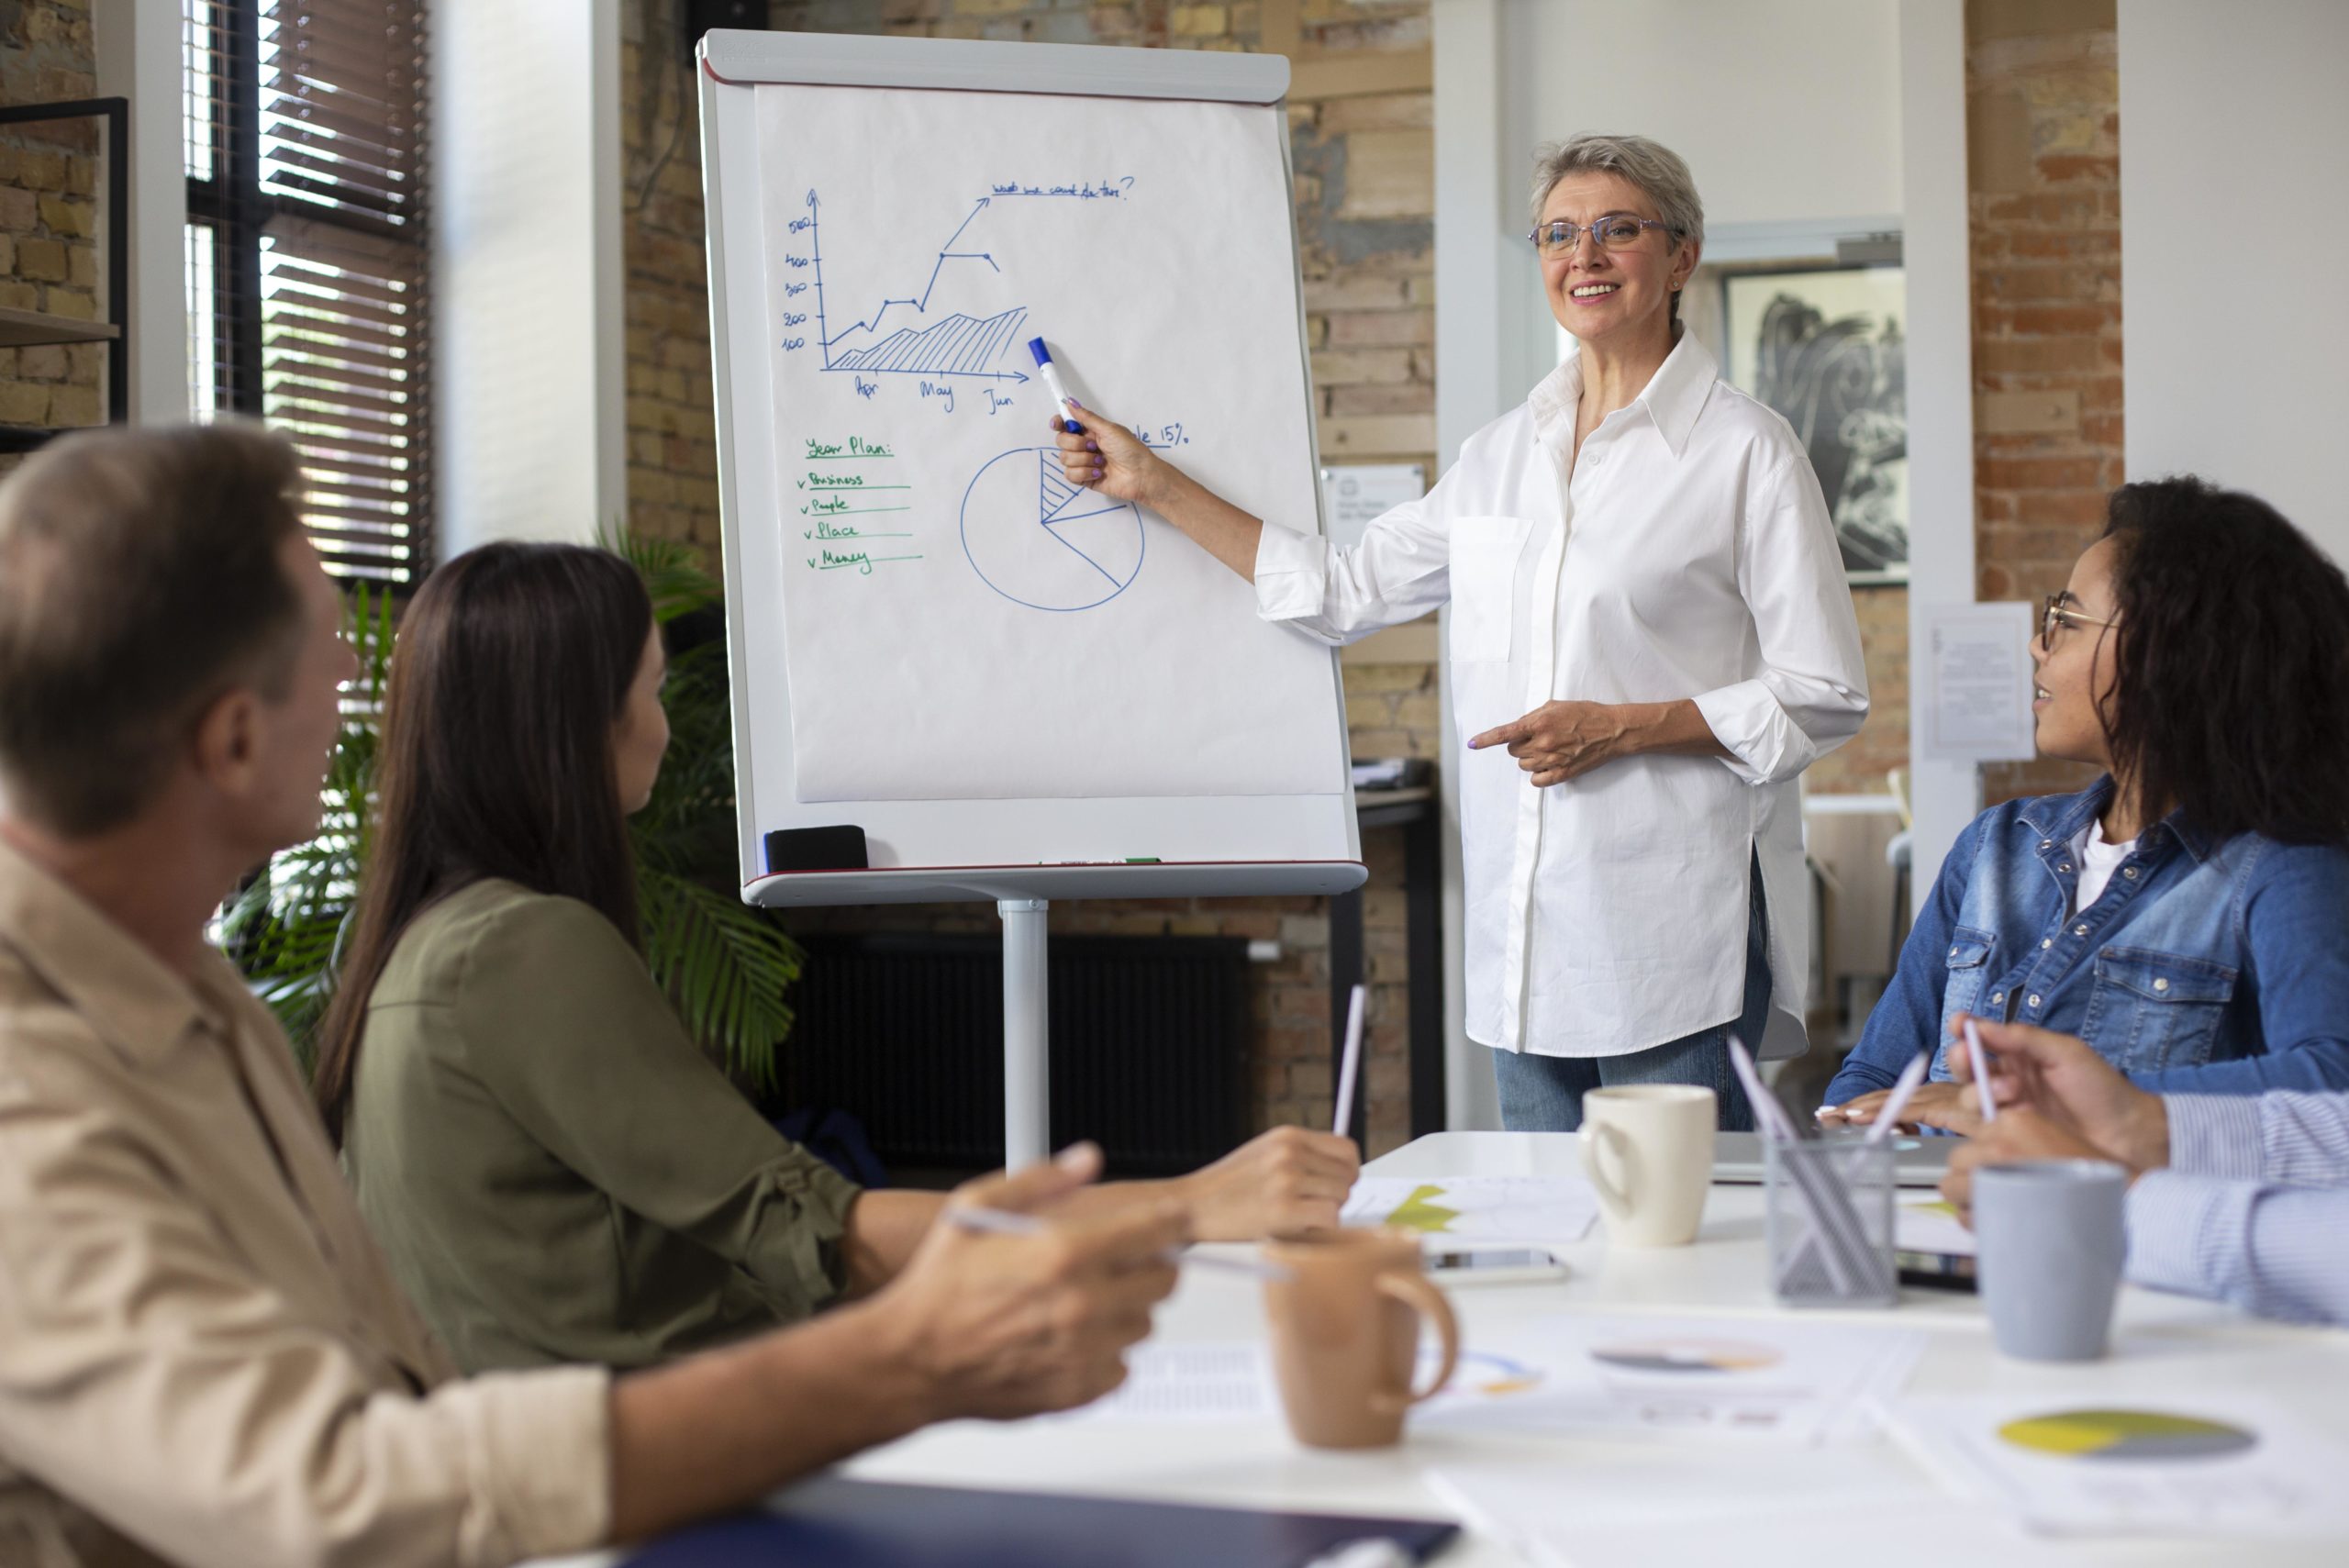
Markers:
point(817, 849)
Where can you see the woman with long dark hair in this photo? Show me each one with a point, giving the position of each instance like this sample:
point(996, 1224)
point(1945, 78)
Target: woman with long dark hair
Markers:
point(555, 1169)
point(2188, 914)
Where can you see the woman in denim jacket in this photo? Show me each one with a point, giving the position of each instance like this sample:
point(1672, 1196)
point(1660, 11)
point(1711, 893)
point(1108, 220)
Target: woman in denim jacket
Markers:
point(2186, 915)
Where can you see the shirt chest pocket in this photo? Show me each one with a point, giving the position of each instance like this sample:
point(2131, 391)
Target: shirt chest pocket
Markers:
point(1968, 962)
point(2150, 1011)
point(1484, 587)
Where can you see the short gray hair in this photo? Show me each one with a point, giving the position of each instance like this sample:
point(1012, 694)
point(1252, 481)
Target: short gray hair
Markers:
point(1654, 167)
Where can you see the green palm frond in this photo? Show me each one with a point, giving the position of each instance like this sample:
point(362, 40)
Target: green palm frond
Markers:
point(724, 965)
point(284, 927)
point(671, 571)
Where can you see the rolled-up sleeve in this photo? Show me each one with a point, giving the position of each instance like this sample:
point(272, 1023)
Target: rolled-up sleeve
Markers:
point(161, 1381)
point(1399, 571)
point(1811, 693)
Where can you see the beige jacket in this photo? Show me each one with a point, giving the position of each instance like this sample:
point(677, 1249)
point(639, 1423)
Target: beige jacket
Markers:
point(204, 1359)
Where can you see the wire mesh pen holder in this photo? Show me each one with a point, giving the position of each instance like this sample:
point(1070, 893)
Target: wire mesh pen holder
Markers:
point(1828, 1207)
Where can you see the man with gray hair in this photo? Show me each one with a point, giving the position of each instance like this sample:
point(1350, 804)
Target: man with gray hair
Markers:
point(207, 1362)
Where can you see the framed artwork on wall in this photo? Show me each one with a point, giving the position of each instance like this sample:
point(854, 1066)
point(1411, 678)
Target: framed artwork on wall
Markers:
point(1825, 347)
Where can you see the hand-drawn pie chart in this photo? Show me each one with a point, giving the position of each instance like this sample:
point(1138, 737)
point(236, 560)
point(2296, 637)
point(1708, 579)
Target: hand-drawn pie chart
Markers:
point(2138, 1435)
point(1690, 1355)
point(1041, 541)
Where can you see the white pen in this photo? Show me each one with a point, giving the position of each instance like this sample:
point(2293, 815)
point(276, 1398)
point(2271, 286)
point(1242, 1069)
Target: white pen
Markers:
point(1981, 1071)
point(1903, 1089)
point(1371, 1551)
point(1002, 1222)
point(1351, 1063)
point(1053, 384)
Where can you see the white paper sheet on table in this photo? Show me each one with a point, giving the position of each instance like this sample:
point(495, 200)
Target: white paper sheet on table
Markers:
point(961, 622)
point(2160, 1466)
point(1195, 1381)
point(1773, 1509)
point(1929, 1225)
point(1732, 1378)
point(1476, 1208)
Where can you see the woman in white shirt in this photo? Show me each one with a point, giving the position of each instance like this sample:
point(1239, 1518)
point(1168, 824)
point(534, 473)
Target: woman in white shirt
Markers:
point(1651, 638)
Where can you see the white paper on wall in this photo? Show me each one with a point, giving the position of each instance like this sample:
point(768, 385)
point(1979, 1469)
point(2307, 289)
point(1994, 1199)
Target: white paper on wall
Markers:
point(960, 622)
point(1976, 702)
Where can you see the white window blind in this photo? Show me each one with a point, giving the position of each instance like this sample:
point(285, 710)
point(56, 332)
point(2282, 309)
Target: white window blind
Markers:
point(307, 164)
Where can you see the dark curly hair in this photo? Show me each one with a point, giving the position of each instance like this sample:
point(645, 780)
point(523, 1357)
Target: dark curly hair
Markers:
point(2232, 652)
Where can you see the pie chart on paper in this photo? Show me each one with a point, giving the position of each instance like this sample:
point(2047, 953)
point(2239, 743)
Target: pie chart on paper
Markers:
point(2136, 1435)
point(1039, 541)
point(1687, 1356)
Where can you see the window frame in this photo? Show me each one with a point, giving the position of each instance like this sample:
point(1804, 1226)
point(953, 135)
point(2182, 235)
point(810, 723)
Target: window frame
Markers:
point(236, 211)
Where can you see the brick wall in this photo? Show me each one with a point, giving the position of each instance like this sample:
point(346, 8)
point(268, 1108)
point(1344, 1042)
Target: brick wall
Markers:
point(1360, 117)
point(2043, 121)
point(48, 217)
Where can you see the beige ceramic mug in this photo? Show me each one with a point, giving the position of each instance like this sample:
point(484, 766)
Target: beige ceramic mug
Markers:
point(1648, 1150)
point(1345, 1326)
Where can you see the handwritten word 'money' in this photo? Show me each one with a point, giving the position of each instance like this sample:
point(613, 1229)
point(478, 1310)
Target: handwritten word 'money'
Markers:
point(862, 560)
point(855, 446)
point(1089, 190)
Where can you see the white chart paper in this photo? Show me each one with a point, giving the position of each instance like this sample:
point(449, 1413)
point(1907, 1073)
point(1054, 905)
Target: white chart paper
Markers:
point(2238, 1466)
point(1741, 1379)
point(960, 622)
point(1189, 1381)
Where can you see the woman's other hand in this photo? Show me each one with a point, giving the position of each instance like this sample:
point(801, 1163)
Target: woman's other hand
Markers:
point(1560, 740)
point(1934, 1105)
point(1284, 1182)
point(1106, 457)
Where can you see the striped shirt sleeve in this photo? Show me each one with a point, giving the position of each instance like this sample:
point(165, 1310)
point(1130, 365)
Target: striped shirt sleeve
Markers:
point(2296, 1139)
point(2252, 1208)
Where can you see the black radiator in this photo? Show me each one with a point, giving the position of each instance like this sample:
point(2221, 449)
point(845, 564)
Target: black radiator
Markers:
point(1149, 1045)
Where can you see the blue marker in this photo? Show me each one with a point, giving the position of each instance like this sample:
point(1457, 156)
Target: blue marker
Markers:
point(1053, 384)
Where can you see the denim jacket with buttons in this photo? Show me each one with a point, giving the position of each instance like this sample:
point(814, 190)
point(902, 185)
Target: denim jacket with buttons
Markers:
point(2213, 968)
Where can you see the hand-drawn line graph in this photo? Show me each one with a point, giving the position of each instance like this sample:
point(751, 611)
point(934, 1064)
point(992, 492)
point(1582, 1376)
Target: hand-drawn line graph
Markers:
point(1041, 541)
point(958, 345)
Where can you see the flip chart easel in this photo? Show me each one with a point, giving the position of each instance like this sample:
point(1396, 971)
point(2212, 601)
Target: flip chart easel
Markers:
point(1279, 835)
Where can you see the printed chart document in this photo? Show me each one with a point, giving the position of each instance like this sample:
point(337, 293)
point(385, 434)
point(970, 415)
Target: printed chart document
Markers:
point(1736, 1378)
point(2233, 1466)
point(1475, 1209)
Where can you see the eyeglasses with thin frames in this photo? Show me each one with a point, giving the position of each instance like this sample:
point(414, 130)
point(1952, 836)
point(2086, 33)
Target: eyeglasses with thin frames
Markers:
point(2056, 612)
point(1616, 231)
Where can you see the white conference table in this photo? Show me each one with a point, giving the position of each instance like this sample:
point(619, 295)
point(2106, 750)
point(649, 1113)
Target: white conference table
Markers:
point(1659, 1503)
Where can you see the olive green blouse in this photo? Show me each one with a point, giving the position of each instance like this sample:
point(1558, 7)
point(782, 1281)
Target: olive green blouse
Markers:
point(555, 1169)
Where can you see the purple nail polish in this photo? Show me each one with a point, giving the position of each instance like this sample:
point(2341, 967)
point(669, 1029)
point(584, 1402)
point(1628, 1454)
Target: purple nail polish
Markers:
point(1092, 445)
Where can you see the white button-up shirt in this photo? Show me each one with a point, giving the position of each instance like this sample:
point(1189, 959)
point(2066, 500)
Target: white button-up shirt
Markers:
point(1688, 554)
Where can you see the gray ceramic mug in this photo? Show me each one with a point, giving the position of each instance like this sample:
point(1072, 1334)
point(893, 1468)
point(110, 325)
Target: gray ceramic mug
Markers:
point(2049, 1239)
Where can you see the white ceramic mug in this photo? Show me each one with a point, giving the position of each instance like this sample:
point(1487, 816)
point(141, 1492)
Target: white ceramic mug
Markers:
point(1648, 1150)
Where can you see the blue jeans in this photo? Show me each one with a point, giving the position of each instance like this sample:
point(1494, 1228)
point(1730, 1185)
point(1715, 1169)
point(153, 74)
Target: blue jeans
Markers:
point(1544, 1093)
